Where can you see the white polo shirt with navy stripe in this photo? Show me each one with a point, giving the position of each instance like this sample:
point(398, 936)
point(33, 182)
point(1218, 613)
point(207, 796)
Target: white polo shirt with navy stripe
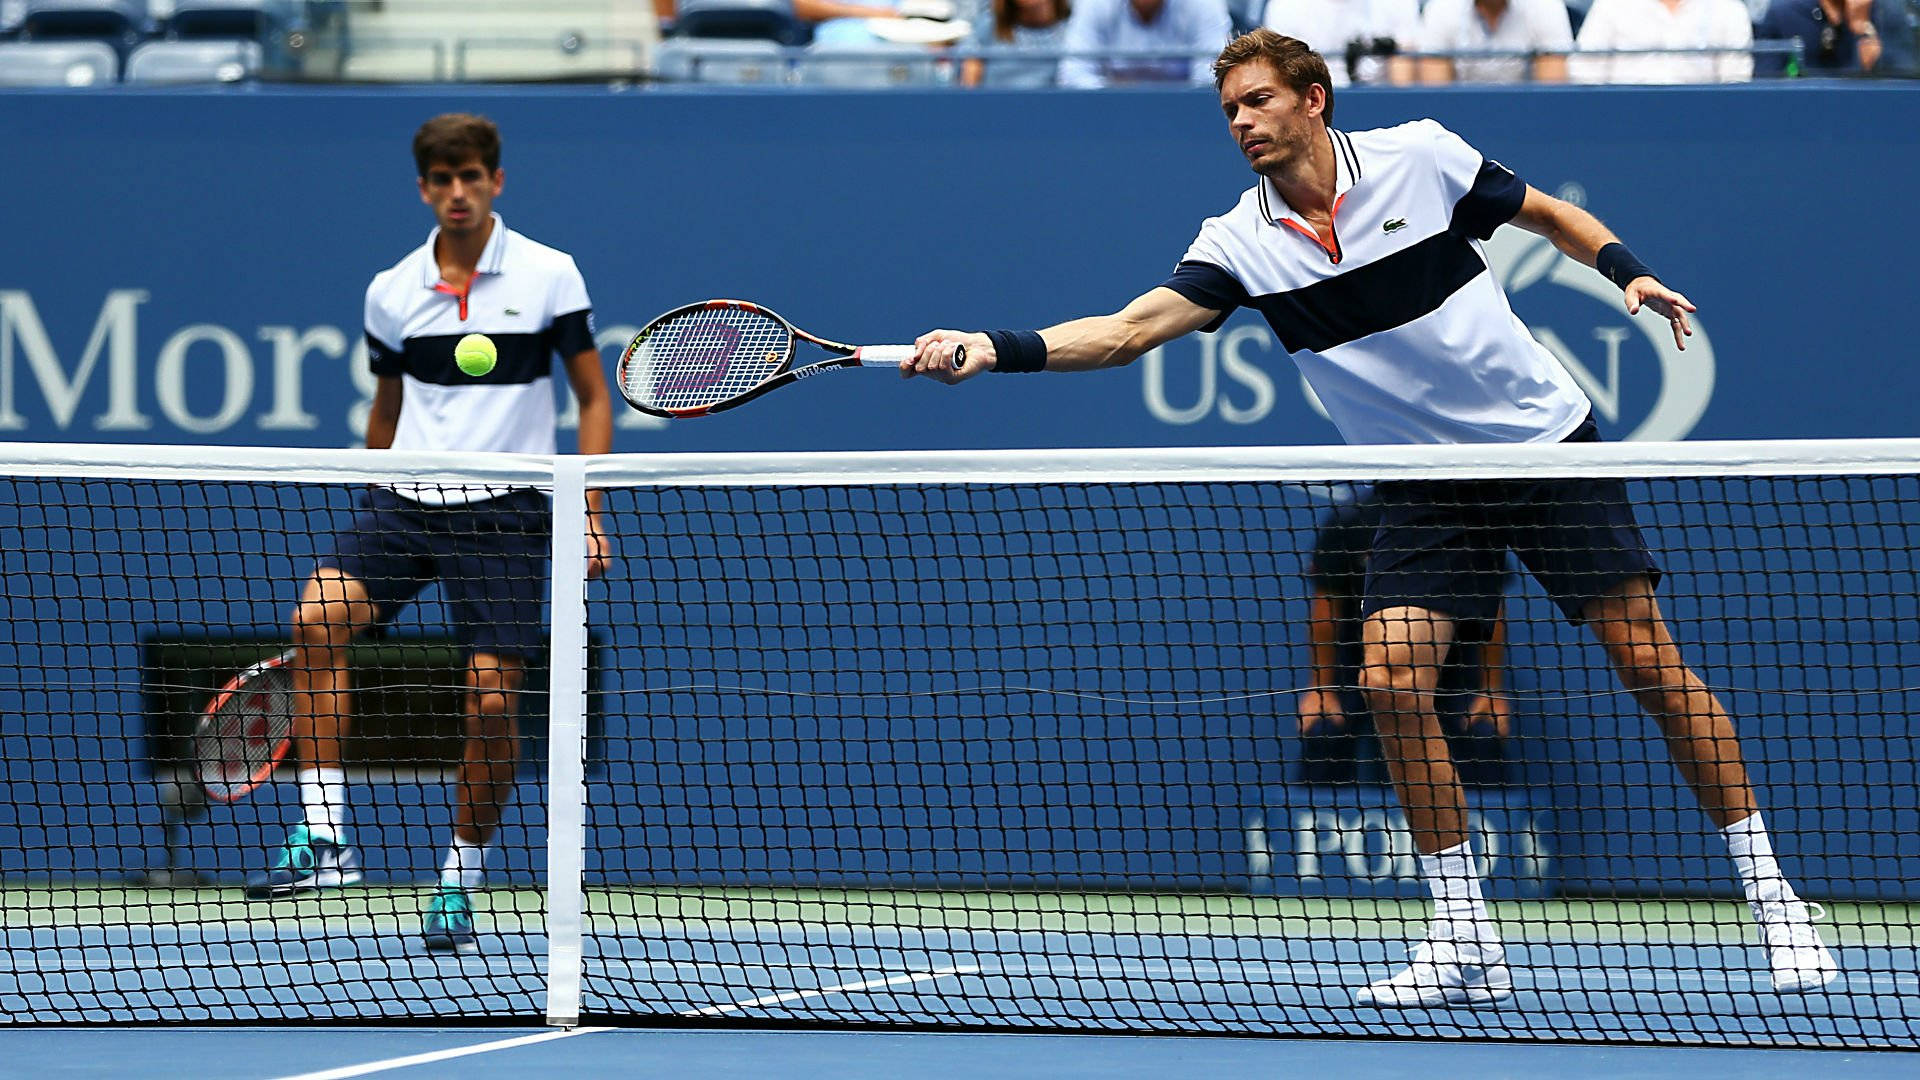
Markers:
point(529, 298)
point(1399, 326)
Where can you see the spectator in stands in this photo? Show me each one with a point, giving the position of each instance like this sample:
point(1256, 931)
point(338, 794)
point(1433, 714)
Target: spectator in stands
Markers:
point(1539, 26)
point(1337, 741)
point(1019, 24)
point(1665, 24)
point(1898, 23)
point(1359, 38)
point(1839, 37)
point(1187, 32)
point(811, 13)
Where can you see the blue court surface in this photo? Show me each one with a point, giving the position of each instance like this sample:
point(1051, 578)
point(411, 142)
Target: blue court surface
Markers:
point(337, 1054)
point(1679, 975)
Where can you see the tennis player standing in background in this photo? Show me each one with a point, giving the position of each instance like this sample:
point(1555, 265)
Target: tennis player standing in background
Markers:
point(488, 547)
point(1363, 251)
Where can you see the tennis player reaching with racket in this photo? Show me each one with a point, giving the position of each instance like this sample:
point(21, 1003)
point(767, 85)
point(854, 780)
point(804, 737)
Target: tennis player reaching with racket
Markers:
point(488, 547)
point(1363, 251)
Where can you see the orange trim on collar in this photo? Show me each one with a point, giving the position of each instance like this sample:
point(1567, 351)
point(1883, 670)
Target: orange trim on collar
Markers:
point(462, 293)
point(1332, 252)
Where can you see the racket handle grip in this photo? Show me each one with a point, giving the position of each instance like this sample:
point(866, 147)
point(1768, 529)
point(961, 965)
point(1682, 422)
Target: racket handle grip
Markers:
point(892, 355)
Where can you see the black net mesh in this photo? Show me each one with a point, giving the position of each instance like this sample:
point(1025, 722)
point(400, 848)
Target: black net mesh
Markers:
point(1144, 756)
point(125, 895)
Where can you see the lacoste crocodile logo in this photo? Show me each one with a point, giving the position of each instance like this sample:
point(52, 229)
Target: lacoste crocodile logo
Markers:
point(1394, 225)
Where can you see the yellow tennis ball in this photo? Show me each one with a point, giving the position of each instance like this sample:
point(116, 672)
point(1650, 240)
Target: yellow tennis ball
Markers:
point(475, 354)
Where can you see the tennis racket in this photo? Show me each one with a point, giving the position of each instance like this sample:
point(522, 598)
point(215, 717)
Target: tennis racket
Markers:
point(245, 730)
point(710, 356)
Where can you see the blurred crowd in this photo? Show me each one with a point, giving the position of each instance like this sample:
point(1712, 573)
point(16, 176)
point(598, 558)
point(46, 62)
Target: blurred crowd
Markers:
point(1090, 43)
point(1001, 43)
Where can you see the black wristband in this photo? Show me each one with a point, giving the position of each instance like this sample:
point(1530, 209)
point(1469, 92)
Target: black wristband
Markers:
point(1620, 266)
point(1018, 350)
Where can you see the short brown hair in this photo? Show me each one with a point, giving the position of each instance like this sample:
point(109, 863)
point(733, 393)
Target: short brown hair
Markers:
point(1297, 65)
point(1006, 16)
point(453, 138)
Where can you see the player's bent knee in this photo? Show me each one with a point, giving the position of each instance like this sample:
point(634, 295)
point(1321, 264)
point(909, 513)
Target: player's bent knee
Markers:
point(1647, 667)
point(320, 625)
point(1393, 688)
point(331, 606)
point(494, 704)
point(496, 734)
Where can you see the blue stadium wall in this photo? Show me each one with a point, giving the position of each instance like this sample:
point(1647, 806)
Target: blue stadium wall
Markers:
point(188, 267)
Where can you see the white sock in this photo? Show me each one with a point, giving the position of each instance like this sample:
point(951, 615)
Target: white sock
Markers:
point(323, 799)
point(1753, 860)
point(1459, 907)
point(465, 866)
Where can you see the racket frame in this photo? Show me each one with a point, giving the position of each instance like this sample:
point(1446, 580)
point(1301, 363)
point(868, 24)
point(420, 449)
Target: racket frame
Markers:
point(844, 356)
point(228, 791)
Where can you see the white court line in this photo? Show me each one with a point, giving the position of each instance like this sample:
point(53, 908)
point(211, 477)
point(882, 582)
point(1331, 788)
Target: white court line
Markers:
point(345, 1071)
point(826, 991)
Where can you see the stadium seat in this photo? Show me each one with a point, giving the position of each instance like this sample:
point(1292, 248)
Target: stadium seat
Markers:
point(719, 60)
point(233, 18)
point(770, 20)
point(122, 20)
point(885, 68)
point(173, 62)
point(58, 63)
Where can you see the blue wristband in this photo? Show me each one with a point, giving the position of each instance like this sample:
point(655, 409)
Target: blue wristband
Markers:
point(1018, 350)
point(1620, 266)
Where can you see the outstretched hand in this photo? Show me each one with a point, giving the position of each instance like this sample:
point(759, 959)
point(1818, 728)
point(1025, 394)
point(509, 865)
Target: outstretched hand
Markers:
point(599, 548)
point(933, 356)
point(1647, 291)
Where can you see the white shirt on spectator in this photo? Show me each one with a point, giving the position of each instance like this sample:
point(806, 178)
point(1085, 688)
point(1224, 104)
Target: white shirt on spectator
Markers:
point(1195, 28)
point(1458, 26)
point(1652, 24)
point(1328, 26)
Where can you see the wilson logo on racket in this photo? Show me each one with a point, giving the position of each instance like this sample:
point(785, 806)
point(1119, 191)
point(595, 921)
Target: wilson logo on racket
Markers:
point(711, 356)
point(705, 350)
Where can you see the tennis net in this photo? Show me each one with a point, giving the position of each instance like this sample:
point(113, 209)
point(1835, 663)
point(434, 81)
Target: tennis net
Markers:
point(1001, 740)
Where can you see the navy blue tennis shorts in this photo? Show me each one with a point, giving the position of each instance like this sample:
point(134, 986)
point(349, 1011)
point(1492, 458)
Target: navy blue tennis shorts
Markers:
point(1441, 543)
point(490, 558)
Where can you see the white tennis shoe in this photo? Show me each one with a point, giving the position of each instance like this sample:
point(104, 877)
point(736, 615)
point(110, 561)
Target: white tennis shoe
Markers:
point(1798, 956)
point(1441, 973)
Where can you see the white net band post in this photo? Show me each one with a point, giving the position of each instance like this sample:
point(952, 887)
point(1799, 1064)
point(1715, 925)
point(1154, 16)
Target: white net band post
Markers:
point(566, 743)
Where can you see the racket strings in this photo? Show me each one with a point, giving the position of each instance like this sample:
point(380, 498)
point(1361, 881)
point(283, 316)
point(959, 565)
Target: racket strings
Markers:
point(239, 741)
point(704, 357)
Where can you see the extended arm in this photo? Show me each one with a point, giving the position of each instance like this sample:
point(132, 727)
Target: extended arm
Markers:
point(589, 382)
point(1866, 36)
point(383, 415)
point(1492, 706)
point(1101, 341)
point(1580, 236)
point(813, 11)
point(1320, 706)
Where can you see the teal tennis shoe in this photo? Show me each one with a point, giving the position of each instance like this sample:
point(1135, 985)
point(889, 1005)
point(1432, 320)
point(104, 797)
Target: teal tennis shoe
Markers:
point(306, 863)
point(448, 926)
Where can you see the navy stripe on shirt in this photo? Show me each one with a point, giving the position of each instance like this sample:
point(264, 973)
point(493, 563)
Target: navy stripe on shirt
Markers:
point(1364, 300)
point(1210, 287)
point(523, 358)
point(1381, 295)
point(384, 359)
point(572, 334)
point(1493, 201)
